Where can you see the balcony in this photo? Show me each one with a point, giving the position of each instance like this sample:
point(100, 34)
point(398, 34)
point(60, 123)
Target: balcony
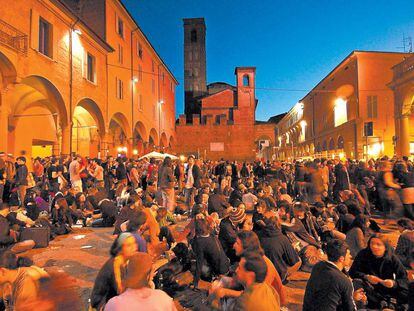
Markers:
point(403, 68)
point(13, 38)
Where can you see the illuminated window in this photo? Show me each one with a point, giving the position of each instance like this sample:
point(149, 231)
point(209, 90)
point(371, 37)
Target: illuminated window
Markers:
point(302, 136)
point(340, 111)
point(411, 148)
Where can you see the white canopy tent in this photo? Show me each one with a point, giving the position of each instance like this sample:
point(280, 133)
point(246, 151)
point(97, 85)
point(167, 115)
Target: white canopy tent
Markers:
point(159, 156)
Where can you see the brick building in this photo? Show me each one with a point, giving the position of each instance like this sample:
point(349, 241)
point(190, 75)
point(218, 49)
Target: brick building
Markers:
point(81, 76)
point(330, 120)
point(219, 120)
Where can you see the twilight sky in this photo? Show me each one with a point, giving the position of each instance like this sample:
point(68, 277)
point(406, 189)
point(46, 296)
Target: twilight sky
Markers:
point(293, 44)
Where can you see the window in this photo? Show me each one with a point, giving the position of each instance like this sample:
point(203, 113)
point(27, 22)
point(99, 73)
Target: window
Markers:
point(119, 89)
point(340, 111)
point(411, 148)
point(193, 35)
point(91, 68)
point(139, 50)
point(120, 54)
point(163, 78)
point(153, 86)
point(195, 56)
point(140, 104)
point(246, 80)
point(140, 73)
point(45, 37)
point(195, 74)
point(372, 107)
point(152, 66)
point(120, 28)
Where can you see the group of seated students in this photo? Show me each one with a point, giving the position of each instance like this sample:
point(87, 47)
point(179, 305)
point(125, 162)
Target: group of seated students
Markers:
point(246, 236)
point(287, 236)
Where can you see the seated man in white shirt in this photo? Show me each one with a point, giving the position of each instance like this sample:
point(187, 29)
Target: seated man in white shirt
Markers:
point(138, 294)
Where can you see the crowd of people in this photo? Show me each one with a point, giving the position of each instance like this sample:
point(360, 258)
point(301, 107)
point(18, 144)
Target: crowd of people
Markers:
point(244, 228)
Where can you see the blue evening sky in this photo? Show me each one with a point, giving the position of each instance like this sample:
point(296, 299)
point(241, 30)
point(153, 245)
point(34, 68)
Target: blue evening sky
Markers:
point(293, 44)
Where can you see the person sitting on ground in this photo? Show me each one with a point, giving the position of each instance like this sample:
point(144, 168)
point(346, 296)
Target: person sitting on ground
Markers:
point(128, 212)
point(405, 244)
point(278, 249)
point(134, 227)
point(165, 219)
point(109, 282)
point(138, 294)
point(229, 227)
point(381, 273)
point(356, 237)
point(345, 219)
point(329, 288)
point(257, 294)
point(211, 260)
point(61, 217)
point(248, 242)
point(19, 284)
point(8, 236)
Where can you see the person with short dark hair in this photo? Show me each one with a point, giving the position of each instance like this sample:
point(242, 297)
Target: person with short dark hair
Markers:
point(257, 294)
point(328, 288)
point(20, 179)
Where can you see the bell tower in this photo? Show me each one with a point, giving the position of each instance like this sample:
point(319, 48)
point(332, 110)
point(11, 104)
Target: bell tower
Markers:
point(195, 76)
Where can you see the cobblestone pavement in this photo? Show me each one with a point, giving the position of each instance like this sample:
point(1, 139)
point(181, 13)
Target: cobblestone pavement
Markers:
point(82, 253)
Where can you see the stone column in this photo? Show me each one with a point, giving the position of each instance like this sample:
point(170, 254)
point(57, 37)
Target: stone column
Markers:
point(4, 122)
point(65, 149)
point(405, 135)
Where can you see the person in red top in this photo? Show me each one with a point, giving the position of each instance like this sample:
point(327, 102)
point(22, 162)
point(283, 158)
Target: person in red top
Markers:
point(38, 169)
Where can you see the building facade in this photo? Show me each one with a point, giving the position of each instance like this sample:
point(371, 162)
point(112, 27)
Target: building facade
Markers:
point(80, 76)
point(350, 113)
point(219, 120)
point(403, 87)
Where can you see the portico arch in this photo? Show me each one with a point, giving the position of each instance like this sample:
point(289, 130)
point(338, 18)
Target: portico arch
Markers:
point(88, 128)
point(38, 117)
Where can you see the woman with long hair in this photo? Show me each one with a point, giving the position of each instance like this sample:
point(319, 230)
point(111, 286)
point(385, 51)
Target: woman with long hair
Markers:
point(381, 274)
point(356, 235)
point(108, 283)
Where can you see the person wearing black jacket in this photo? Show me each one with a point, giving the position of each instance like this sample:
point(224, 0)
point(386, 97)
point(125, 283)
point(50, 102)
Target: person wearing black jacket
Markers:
point(217, 203)
point(192, 181)
point(209, 253)
point(381, 272)
point(20, 179)
point(329, 288)
point(278, 248)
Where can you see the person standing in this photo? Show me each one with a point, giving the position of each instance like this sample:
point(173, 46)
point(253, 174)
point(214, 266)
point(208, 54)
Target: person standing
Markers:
point(2, 174)
point(328, 287)
point(166, 182)
point(74, 172)
point(192, 181)
point(20, 178)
